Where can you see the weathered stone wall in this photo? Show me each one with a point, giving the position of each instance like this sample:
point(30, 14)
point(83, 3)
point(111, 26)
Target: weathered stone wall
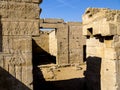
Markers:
point(76, 43)
point(42, 41)
point(19, 22)
point(101, 27)
point(62, 45)
point(53, 43)
point(70, 41)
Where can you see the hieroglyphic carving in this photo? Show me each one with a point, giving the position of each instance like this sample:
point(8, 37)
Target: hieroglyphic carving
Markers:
point(17, 59)
point(19, 10)
point(21, 28)
point(32, 11)
point(19, 22)
point(13, 43)
point(3, 9)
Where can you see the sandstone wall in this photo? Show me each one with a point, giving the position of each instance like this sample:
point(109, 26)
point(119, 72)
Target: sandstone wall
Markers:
point(101, 27)
point(76, 43)
point(18, 23)
point(62, 45)
point(70, 42)
point(53, 43)
point(42, 41)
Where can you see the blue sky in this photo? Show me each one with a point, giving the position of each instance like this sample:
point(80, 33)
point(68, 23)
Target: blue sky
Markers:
point(72, 10)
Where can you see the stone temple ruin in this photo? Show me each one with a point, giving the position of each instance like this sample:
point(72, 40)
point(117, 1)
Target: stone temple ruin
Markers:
point(19, 22)
point(23, 46)
point(66, 41)
point(102, 29)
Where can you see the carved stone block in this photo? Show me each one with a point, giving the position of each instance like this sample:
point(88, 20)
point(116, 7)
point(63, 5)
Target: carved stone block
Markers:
point(18, 61)
point(15, 44)
point(25, 27)
point(19, 10)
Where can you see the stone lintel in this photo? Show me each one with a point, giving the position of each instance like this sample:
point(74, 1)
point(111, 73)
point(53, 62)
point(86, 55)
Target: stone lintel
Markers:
point(52, 20)
point(50, 26)
point(98, 28)
point(74, 23)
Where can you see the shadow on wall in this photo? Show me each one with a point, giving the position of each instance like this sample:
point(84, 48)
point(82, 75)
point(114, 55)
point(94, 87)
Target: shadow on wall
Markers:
point(0, 35)
point(91, 81)
point(39, 82)
point(92, 73)
point(8, 82)
point(40, 56)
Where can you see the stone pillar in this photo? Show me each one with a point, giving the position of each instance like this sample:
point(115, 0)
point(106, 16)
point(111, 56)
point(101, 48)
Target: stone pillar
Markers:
point(101, 27)
point(76, 43)
point(19, 22)
point(62, 45)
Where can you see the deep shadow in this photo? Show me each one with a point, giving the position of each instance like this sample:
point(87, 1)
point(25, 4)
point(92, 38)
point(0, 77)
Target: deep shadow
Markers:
point(8, 82)
point(84, 53)
point(92, 73)
point(71, 84)
point(101, 38)
point(39, 82)
point(109, 37)
point(0, 35)
point(40, 56)
point(90, 82)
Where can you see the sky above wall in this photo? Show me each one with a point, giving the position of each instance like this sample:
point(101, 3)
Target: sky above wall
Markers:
point(72, 10)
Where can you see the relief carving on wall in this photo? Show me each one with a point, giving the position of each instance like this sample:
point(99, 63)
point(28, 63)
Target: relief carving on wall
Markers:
point(17, 59)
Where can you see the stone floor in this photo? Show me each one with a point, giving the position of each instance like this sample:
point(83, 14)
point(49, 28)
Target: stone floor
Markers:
point(64, 77)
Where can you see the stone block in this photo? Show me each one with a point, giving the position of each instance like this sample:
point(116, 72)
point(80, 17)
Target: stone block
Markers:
point(25, 27)
point(107, 85)
point(19, 10)
point(108, 29)
point(62, 58)
point(109, 43)
point(1, 60)
point(41, 20)
point(92, 42)
point(86, 32)
point(79, 24)
point(110, 53)
point(108, 69)
point(118, 29)
point(108, 75)
point(75, 56)
point(53, 21)
point(91, 51)
point(53, 43)
point(15, 44)
point(36, 1)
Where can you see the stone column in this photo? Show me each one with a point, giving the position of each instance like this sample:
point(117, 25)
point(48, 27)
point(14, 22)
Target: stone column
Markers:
point(76, 43)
